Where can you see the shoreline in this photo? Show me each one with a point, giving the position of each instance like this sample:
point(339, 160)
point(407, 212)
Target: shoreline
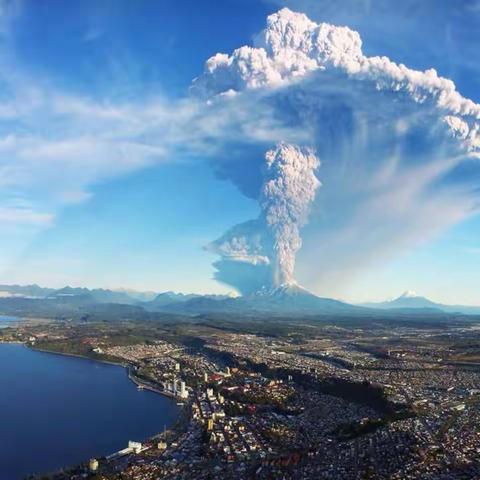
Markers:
point(135, 380)
point(76, 355)
point(131, 377)
point(127, 366)
point(139, 383)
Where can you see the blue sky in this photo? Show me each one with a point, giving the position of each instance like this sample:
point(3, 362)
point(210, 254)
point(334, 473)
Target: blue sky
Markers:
point(105, 182)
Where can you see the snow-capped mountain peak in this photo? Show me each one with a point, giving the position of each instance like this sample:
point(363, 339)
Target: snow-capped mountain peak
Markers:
point(409, 294)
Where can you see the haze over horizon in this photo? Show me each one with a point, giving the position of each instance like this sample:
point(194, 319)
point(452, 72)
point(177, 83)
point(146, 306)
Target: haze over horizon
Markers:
point(137, 156)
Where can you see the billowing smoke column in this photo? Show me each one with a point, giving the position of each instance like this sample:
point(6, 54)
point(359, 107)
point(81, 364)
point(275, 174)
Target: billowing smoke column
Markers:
point(261, 253)
point(287, 193)
point(400, 152)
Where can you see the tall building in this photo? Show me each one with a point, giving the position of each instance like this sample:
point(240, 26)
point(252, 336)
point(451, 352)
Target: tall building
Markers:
point(93, 465)
point(210, 424)
point(183, 390)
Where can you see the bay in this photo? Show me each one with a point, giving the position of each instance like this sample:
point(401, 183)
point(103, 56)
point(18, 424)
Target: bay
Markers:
point(58, 411)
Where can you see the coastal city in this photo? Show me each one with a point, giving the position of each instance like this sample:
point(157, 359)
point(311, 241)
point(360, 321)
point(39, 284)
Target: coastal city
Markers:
point(317, 401)
point(239, 240)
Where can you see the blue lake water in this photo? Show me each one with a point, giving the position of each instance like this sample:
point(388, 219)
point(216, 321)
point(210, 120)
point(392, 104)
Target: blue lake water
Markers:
point(57, 411)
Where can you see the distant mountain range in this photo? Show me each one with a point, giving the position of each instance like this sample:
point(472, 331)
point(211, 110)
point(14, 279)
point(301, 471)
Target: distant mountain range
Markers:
point(98, 295)
point(77, 294)
point(30, 291)
point(410, 301)
point(171, 298)
point(284, 299)
point(288, 298)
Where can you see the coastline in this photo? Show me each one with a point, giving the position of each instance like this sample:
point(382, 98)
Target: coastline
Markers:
point(157, 434)
point(127, 366)
point(76, 355)
point(135, 380)
point(147, 386)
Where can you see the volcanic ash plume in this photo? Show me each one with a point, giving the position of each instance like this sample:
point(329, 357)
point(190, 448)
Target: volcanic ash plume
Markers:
point(400, 152)
point(288, 190)
point(261, 253)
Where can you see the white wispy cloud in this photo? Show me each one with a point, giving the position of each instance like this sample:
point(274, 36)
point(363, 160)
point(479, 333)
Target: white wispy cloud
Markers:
point(24, 216)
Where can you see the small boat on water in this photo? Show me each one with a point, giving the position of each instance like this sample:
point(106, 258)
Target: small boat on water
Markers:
point(139, 387)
